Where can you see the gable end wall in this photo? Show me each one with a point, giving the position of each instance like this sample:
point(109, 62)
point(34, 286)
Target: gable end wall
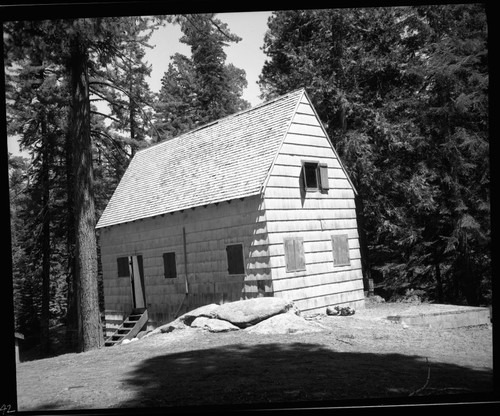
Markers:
point(315, 216)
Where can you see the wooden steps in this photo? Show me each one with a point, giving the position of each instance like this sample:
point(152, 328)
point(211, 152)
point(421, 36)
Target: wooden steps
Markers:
point(130, 327)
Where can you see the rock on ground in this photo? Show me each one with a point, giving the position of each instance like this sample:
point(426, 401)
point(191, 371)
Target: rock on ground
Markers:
point(205, 310)
point(185, 320)
point(286, 323)
point(213, 325)
point(244, 313)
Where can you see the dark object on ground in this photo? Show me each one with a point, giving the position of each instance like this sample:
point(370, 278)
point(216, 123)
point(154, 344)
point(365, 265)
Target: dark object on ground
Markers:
point(337, 310)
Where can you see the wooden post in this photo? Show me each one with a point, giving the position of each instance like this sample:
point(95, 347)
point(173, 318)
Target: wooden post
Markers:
point(185, 258)
point(371, 291)
point(18, 336)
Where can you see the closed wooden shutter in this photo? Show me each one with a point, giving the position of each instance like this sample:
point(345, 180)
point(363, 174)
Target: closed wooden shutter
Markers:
point(235, 261)
point(169, 265)
point(123, 266)
point(289, 254)
point(340, 247)
point(294, 254)
point(323, 175)
point(300, 259)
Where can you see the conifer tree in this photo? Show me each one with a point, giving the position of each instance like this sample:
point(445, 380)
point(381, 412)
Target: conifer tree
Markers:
point(77, 48)
point(201, 88)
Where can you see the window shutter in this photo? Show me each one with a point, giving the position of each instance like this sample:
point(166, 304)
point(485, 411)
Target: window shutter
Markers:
point(294, 254)
point(323, 174)
point(300, 260)
point(340, 247)
point(289, 254)
point(235, 261)
point(169, 265)
point(123, 266)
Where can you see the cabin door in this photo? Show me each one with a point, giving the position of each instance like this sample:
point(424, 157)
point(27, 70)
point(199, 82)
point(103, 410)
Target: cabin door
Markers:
point(137, 280)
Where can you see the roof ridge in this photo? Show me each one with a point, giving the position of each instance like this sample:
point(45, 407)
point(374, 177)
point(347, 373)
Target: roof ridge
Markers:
point(218, 121)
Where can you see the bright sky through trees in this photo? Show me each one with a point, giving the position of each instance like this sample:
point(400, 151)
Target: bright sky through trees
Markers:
point(246, 54)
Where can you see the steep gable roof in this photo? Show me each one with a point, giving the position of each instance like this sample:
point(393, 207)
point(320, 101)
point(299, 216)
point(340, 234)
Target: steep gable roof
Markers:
point(227, 159)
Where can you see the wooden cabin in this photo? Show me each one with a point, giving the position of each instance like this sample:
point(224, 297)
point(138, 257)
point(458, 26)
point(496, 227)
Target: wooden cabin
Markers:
point(255, 204)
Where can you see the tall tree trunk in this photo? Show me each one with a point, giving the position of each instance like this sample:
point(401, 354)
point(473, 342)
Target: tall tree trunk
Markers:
point(89, 334)
point(363, 247)
point(133, 146)
point(71, 312)
point(465, 273)
point(439, 282)
point(45, 312)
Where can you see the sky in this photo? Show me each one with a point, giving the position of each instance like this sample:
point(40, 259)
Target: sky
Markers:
point(246, 54)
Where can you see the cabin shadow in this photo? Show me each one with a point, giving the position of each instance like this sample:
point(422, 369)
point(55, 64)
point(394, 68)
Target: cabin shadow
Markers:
point(270, 374)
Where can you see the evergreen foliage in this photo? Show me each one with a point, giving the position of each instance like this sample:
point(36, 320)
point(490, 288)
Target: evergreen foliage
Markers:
point(48, 96)
point(403, 94)
point(202, 88)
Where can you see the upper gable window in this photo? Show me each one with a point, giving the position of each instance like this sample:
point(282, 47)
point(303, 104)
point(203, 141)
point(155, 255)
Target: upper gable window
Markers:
point(315, 176)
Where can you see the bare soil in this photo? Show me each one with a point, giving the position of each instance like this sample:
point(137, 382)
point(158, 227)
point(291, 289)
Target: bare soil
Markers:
point(362, 356)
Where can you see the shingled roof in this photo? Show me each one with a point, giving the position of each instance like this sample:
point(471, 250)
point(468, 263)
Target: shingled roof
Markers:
point(227, 159)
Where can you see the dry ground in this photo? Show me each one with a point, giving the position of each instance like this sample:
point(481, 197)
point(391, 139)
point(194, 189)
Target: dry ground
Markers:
point(359, 357)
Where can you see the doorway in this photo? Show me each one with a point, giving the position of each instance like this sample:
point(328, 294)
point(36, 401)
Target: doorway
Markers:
point(137, 280)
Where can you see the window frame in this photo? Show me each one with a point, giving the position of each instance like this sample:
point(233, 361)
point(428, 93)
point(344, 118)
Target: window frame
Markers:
point(321, 175)
point(306, 165)
point(240, 268)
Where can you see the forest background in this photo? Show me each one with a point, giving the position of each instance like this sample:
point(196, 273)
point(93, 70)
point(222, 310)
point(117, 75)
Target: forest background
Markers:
point(403, 93)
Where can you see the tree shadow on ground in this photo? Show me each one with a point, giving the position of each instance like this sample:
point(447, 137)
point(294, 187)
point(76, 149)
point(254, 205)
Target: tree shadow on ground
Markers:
point(289, 373)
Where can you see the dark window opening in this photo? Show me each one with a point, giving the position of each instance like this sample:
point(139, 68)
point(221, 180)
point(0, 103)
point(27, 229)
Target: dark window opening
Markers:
point(235, 261)
point(311, 175)
point(294, 254)
point(169, 265)
point(315, 176)
point(123, 267)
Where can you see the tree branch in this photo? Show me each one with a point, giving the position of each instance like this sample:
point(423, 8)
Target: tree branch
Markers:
point(233, 38)
point(105, 115)
point(98, 82)
point(113, 141)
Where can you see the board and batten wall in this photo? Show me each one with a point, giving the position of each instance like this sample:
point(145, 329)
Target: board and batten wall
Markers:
point(208, 231)
point(313, 216)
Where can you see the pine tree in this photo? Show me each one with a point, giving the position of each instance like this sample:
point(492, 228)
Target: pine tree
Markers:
point(201, 88)
point(75, 48)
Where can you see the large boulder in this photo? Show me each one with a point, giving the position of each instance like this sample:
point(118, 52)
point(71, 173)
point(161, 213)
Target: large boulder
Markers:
point(205, 310)
point(213, 325)
point(185, 320)
point(285, 323)
point(244, 313)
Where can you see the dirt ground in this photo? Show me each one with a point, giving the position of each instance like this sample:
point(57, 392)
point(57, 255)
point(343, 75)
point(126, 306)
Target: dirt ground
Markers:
point(362, 356)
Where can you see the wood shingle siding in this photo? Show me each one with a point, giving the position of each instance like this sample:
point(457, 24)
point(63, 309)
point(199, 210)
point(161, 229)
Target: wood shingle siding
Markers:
point(206, 240)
